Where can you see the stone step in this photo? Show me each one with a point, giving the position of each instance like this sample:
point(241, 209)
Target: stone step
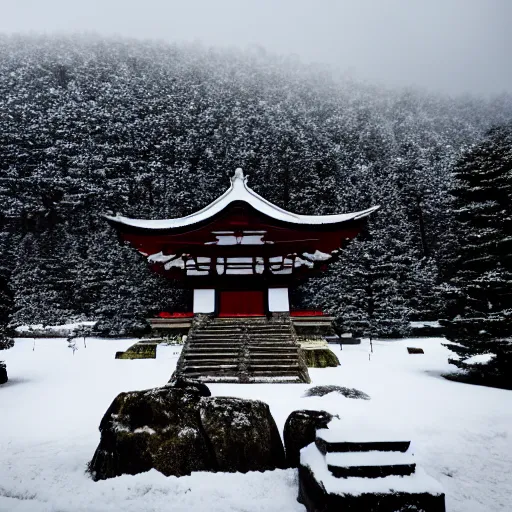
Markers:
point(238, 328)
point(195, 354)
point(246, 326)
point(236, 339)
point(271, 356)
point(220, 363)
point(371, 464)
point(241, 339)
point(263, 347)
point(253, 346)
point(267, 359)
point(344, 446)
point(210, 347)
point(244, 321)
point(254, 362)
point(273, 375)
point(276, 380)
point(237, 343)
point(219, 378)
point(259, 347)
point(237, 332)
point(244, 329)
point(211, 361)
point(284, 370)
point(224, 341)
point(222, 368)
point(240, 335)
point(206, 332)
point(273, 367)
point(372, 471)
point(236, 355)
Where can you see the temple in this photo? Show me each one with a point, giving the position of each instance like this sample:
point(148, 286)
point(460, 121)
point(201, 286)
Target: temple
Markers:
point(241, 253)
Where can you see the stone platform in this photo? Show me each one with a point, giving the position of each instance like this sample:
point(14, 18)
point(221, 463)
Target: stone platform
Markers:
point(242, 350)
point(317, 353)
point(3, 373)
point(359, 474)
point(143, 349)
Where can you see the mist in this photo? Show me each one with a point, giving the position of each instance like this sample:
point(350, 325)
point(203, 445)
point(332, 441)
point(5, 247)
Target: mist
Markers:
point(452, 46)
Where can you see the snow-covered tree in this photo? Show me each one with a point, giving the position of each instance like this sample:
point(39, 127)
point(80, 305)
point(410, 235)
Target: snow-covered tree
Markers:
point(6, 246)
point(152, 130)
point(479, 290)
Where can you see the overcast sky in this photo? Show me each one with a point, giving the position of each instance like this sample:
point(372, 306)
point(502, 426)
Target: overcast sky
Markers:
point(451, 45)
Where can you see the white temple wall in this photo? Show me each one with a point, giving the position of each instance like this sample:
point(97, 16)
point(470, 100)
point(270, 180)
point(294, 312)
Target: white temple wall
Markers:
point(204, 300)
point(278, 300)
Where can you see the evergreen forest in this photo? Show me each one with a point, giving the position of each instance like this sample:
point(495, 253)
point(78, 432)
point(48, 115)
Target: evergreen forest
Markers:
point(92, 126)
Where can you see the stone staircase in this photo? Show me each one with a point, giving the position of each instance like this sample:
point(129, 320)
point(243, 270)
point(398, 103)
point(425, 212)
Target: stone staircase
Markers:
point(242, 350)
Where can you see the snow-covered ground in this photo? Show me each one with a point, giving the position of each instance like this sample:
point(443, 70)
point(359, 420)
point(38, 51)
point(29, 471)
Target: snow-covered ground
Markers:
point(51, 408)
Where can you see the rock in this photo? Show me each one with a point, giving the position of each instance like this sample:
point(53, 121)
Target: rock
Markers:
point(243, 434)
point(3, 373)
point(158, 428)
point(141, 350)
point(415, 350)
point(300, 430)
point(177, 430)
point(201, 388)
point(346, 392)
point(320, 357)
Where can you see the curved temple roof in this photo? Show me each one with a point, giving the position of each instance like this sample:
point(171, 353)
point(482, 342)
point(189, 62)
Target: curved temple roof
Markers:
point(240, 191)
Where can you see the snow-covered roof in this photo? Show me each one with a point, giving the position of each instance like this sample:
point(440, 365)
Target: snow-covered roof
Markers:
point(240, 191)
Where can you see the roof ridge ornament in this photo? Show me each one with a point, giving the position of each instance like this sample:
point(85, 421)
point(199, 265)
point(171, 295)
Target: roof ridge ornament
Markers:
point(239, 175)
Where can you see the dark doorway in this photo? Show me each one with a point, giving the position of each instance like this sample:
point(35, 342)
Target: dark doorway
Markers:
point(242, 303)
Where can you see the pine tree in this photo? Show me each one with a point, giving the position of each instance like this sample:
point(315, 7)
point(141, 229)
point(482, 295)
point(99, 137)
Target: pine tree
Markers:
point(369, 290)
point(6, 340)
point(479, 290)
point(123, 289)
point(42, 281)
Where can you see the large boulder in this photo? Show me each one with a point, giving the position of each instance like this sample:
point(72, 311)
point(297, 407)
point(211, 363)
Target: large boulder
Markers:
point(3, 373)
point(177, 430)
point(300, 430)
point(157, 428)
point(242, 433)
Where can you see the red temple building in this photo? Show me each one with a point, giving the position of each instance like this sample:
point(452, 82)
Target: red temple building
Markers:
point(240, 255)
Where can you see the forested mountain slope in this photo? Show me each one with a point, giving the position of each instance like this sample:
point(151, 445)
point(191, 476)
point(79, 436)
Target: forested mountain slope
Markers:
point(91, 126)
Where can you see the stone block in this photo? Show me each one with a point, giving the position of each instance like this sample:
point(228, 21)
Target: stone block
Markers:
point(139, 351)
point(346, 469)
point(320, 357)
point(3, 373)
point(300, 430)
